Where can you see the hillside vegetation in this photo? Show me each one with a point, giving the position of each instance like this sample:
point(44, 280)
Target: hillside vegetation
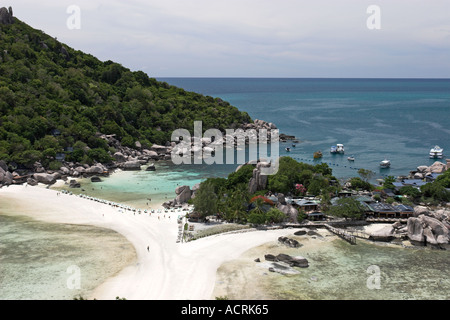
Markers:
point(54, 98)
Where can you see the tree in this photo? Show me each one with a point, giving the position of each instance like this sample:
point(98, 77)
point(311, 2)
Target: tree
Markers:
point(347, 208)
point(365, 174)
point(388, 182)
point(206, 200)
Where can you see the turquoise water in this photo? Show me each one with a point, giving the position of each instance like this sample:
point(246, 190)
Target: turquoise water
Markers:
point(39, 261)
point(399, 119)
point(341, 271)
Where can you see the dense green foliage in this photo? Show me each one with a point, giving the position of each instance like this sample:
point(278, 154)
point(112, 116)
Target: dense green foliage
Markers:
point(47, 86)
point(347, 208)
point(231, 198)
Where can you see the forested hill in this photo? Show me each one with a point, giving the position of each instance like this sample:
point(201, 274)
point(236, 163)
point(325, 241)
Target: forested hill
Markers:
point(54, 98)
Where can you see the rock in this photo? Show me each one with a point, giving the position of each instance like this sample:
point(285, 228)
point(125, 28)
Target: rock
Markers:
point(32, 182)
point(65, 53)
point(298, 261)
point(3, 165)
point(290, 211)
point(97, 169)
point(119, 157)
point(138, 145)
point(45, 178)
point(6, 16)
point(301, 232)
point(420, 210)
point(270, 257)
point(96, 179)
point(422, 169)
point(435, 231)
point(289, 242)
point(151, 154)
point(184, 194)
point(257, 260)
point(384, 234)
point(425, 229)
point(437, 167)
point(64, 170)
point(131, 165)
point(151, 167)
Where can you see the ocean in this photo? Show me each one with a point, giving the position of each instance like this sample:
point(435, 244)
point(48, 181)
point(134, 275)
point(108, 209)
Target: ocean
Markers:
point(375, 119)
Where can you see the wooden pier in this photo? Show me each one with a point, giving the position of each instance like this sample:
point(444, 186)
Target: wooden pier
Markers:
point(344, 234)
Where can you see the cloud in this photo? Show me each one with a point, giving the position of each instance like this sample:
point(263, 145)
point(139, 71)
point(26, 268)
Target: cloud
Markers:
point(255, 37)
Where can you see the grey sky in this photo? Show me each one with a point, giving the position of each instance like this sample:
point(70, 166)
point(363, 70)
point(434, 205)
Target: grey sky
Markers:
point(254, 38)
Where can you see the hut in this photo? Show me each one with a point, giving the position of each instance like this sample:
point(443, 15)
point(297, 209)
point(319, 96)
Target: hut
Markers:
point(404, 211)
point(383, 210)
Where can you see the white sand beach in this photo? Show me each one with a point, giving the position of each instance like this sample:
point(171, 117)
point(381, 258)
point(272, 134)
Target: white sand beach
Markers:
point(165, 269)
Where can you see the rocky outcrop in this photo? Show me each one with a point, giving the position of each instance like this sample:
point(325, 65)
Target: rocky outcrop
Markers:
point(386, 233)
point(184, 194)
point(131, 165)
point(292, 243)
point(45, 178)
point(298, 261)
point(258, 181)
point(6, 16)
point(427, 230)
point(290, 211)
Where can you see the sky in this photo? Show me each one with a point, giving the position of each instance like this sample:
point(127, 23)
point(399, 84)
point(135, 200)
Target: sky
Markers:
point(254, 38)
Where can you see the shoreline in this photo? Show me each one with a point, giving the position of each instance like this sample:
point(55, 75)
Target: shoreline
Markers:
point(168, 271)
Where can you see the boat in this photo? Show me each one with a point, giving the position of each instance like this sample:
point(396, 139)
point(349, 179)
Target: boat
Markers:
point(351, 158)
point(385, 163)
point(288, 149)
point(318, 155)
point(436, 153)
point(339, 148)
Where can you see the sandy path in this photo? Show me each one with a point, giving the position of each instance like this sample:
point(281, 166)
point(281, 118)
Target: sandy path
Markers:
point(168, 271)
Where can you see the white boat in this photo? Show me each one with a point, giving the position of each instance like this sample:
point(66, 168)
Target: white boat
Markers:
point(352, 158)
point(340, 148)
point(436, 153)
point(385, 163)
point(288, 149)
point(333, 149)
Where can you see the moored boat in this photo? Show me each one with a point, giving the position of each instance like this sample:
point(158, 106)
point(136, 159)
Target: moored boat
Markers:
point(351, 158)
point(318, 155)
point(339, 148)
point(436, 153)
point(385, 163)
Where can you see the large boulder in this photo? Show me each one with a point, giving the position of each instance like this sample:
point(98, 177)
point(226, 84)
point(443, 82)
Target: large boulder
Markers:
point(184, 194)
point(425, 229)
point(119, 157)
point(131, 165)
point(437, 167)
point(97, 169)
point(45, 178)
point(6, 16)
point(421, 210)
point(384, 234)
point(290, 211)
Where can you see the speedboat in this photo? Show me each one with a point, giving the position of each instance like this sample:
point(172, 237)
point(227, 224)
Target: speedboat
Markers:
point(339, 148)
point(288, 149)
point(385, 163)
point(352, 158)
point(436, 153)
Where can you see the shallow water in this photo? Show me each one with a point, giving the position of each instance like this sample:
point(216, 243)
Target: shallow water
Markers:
point(47, 261)
point(340, 271)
